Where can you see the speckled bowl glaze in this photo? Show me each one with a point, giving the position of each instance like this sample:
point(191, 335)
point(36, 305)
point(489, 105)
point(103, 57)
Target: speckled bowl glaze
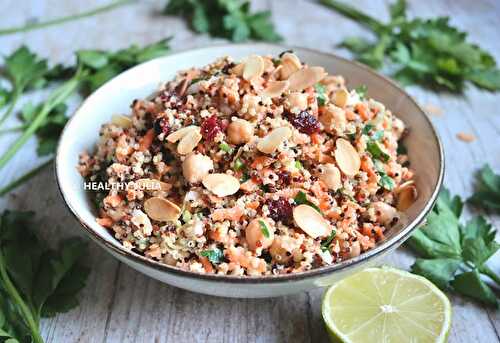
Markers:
point(81, 133)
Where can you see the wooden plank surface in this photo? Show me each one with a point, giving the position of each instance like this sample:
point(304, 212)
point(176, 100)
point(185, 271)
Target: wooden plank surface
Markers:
point(120, 305)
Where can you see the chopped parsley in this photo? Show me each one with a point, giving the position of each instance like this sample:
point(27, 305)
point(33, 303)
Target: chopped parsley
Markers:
point(376, 151)
point(326, 243)
point(298, 165)
point(215, 255)
point(321, 94)
point(361, 90)
point(367, 128)
point(225, 147)
point(238, 165)
point(301, 199)
point(264, 229)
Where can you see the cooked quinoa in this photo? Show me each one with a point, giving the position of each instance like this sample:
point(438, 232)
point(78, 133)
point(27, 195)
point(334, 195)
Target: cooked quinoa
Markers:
point(266, 166)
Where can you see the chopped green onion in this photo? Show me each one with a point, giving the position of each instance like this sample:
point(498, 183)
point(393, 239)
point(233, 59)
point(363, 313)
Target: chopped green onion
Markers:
point(298, 165)
point(238, 165)
point(376, 151)
point(186, 216)
point(321, 94)
point(361, 90)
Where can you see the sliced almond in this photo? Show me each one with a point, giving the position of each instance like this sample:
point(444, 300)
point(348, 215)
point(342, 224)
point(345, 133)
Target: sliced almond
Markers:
point(347, 157)
point(406, 197)
point(274, 89)
point(175, 136)
point(290, 63)
point(153, 185)
point(331, 176)
point(189, 142)
point(272, 141)
point(238, 69)
point(340, 97)
point(122, 121)
point(221, 184)
point(254, 67)
point(305, 78)
point(310, 221)
point(142, 222)
point(161, 209)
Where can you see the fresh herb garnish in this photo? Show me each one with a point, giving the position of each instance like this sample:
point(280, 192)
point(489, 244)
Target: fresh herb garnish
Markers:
point(230, 19)
point(298, 164)
point(361, 90)
point(384, 181)
point(325, 245)
point(376, 151)
point(35, 283)
point(454, 254)
point(428, 52)
point(215, 255)
point(24, 70)
point(49, 131)
point(225, 147)
point(367, 128)
point(321, 94)
point(238, 165)
point(301, 199)
point(487, 195)
point(264, 229)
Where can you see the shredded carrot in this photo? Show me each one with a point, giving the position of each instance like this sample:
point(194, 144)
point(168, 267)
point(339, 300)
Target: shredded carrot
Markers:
point(146, 140)
point(206, 264)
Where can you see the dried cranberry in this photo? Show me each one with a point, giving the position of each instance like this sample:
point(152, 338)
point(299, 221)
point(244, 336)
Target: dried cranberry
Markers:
point(304, 122)
point(280, 210)
point(284, 178)
point(210, 128)
point(160, 126)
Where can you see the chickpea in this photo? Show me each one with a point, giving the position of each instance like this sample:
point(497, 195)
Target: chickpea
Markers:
point(355, 249)
point(254, 234)
point(330, 175)
point(278, 252)
point(385, 213)
point(196, 166)
point(239, 131)
point(297, 100)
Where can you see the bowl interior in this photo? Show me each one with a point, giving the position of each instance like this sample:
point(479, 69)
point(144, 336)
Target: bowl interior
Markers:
point(81, 133)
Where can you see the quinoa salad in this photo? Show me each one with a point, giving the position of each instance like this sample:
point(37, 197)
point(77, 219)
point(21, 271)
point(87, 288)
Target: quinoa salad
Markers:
point(263, 166)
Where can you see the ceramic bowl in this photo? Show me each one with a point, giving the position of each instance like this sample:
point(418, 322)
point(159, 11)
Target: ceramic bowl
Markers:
point(81, 133)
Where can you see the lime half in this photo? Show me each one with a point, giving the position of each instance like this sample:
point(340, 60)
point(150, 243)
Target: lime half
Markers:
point(386, 305)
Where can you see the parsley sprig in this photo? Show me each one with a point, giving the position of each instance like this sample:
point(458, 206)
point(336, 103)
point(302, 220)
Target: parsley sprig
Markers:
point(230, 19)
point(34, 282)
point(487, 195)
point(454, 255)
point(429, 52)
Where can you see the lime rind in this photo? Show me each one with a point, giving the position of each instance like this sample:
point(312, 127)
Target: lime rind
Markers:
point(336, 335)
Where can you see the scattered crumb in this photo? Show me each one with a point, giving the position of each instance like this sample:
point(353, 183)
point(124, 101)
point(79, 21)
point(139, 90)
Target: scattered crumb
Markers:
point(433, 110)
point(466, 137)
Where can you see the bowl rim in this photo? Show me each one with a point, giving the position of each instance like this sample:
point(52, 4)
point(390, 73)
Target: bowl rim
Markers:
point(379, 249)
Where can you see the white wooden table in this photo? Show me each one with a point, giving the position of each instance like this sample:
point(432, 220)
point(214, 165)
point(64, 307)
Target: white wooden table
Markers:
point(121, 305)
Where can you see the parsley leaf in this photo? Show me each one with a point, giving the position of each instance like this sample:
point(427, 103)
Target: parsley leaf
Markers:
point(215, 255)
point(487, 194)
point(230, 19)
point(326, 243)
point(455, 255)
point(301, 199)
point(321, 94)
point(429, 52)
point(439, 270)
point(37, 282)
point(376, 151)
point(361, 90)
point(264, 229)
point(470, 284)
point(24, 70)
point(50, 129)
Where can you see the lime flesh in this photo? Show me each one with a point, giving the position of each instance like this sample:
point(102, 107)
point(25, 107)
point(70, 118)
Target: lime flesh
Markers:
point(386, 305)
